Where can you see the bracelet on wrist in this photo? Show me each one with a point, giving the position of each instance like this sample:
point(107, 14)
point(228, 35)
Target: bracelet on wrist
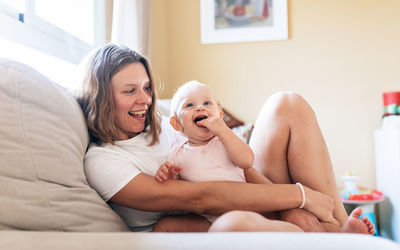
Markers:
point(303, 194)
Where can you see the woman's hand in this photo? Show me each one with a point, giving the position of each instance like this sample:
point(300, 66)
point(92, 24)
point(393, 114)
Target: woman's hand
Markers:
point(303, 219)
point(167, 171)
point(320, 205)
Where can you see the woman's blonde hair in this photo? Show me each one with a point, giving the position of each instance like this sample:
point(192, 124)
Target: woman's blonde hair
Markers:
point(96, 99)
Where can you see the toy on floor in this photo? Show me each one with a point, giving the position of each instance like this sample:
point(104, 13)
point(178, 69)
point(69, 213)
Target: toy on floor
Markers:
point(353, 192)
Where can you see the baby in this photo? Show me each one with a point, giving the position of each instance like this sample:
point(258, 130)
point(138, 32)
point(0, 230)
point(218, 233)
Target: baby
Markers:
point(213, 152)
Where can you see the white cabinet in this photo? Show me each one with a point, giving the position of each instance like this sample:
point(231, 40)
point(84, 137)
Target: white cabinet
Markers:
point(387, 157)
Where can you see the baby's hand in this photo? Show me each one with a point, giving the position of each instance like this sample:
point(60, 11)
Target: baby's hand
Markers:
point(213, 123)
point(167, 171)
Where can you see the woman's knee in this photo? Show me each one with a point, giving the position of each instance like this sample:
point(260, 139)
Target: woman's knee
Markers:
point(289, 103)
point(236, 221)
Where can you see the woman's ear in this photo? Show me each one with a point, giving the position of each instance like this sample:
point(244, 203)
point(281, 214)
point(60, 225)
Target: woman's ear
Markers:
point(175, 123)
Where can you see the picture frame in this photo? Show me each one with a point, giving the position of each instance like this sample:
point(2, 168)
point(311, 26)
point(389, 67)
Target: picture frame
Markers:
point(229, 21)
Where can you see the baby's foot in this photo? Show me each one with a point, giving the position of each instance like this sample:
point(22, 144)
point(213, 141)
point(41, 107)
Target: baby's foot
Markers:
point(356, 225)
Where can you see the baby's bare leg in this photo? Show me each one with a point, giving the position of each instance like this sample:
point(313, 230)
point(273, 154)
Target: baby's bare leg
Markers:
point(243, 221)
point(182, 223)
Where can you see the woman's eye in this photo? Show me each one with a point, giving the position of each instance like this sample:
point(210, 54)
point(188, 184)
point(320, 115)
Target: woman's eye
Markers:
point(148, 88)
point(130, 91)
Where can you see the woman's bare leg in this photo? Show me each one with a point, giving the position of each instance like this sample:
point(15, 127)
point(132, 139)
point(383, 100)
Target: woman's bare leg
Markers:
point(289, 148)
point(182, 223)
point(244, 221)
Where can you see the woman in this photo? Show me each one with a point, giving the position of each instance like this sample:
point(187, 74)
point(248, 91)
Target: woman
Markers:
point(131, 142)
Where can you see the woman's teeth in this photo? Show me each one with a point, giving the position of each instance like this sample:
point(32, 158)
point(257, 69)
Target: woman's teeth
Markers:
point(142, 112)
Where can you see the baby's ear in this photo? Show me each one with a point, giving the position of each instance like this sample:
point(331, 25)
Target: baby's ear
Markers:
point(175, 123)
point(221, 113)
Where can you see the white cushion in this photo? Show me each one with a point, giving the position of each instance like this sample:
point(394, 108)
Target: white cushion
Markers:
point(43, 139)
point(194, 241)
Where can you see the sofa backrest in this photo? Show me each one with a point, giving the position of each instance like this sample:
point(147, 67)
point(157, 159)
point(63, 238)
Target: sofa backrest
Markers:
point(43, 139)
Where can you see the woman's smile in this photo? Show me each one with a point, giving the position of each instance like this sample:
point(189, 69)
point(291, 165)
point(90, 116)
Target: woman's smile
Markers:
point(140, 114)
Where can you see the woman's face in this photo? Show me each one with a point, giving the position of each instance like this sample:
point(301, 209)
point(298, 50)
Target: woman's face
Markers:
point(132, 93)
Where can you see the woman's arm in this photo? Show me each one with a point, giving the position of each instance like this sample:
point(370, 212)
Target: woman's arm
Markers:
point(305, 220)
point(144, 192)
point(239, 152)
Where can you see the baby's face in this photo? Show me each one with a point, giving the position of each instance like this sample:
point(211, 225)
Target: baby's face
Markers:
point(196, 103)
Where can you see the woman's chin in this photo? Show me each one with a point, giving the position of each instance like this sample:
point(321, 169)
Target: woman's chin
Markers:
point(128, 134)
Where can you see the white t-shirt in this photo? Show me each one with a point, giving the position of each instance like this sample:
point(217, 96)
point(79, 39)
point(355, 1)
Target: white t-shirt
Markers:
point(108, 168)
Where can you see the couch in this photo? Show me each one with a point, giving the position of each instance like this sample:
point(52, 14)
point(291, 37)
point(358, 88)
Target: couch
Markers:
point(46, 202)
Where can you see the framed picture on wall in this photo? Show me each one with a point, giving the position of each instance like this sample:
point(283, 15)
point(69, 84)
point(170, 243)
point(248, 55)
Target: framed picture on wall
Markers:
point(227, 21)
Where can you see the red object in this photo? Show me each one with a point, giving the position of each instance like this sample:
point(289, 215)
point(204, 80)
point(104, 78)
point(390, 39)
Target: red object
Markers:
point(374, 195)
point(391, 98)
point(239, 10)
point(265, 11)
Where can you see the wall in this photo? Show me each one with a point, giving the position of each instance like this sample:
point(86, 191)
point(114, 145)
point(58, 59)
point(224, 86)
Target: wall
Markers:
point(108, 16)
point(341, 55)
point(159, 45)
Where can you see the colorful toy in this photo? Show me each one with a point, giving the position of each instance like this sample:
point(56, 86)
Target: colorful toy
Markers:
point(363, 194)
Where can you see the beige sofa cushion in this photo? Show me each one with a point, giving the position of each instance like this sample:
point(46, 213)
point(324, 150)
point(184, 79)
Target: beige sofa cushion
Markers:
point(43, 138)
